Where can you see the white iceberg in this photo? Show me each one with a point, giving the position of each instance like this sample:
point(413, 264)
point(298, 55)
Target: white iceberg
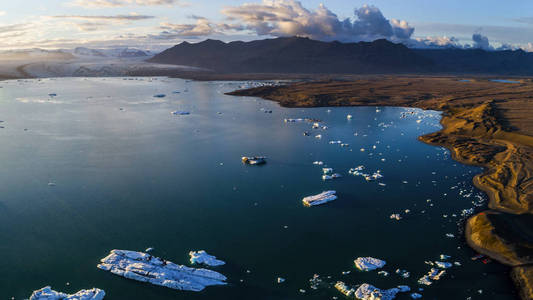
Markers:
point(327, 170)
point(443, 265)
point(321, 198)
point(369, 292)
point(47, 293)
point(369, 263)
point(344, 289)
point(147, 268)
point(201, 257)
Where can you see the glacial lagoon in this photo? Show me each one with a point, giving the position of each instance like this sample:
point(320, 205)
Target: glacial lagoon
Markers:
point(95, 164)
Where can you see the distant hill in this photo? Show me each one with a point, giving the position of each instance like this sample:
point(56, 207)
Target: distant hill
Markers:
point(303, 55)
point(295, 55)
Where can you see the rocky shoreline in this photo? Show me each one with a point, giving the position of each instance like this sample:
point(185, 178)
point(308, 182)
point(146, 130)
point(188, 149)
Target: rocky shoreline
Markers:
point(485, 124)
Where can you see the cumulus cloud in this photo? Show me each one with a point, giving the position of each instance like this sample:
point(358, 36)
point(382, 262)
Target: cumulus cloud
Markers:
point(119, 3)
point(481, 41)
point(290, 18)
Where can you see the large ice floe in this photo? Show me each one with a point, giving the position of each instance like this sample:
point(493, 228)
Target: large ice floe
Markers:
point(321, 198)
point(369, 292)
point(201, 257)
point(369, 263)
point(47, 293)
point(147, 268)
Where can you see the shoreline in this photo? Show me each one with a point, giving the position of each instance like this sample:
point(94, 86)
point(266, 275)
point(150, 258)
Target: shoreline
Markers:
point(473, 131)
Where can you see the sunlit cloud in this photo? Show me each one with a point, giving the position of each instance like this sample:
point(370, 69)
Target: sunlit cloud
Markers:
point(120, 3)
point(291, 18)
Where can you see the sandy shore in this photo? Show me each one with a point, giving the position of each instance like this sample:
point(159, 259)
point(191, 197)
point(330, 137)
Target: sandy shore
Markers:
point(485, 123)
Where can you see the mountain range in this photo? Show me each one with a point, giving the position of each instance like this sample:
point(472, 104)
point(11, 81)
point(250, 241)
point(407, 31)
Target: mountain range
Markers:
point(303, 55)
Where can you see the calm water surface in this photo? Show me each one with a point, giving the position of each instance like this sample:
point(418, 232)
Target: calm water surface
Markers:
point(129, 175)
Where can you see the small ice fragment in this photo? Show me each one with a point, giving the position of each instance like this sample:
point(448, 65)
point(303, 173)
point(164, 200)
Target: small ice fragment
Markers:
point(280, 280)
point(180, 113)
point(450, 235)
point(201, 257)
point(396, 217)
point(149, 249)
point(416, 296)
point(444, 256)
point(349, 117)
point(443, 265)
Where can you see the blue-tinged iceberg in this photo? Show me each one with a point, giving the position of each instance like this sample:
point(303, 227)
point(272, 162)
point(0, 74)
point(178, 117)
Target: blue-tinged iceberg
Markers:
point(147, 268)
point(47, 293)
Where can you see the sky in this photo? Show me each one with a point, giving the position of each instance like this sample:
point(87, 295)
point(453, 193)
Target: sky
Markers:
point(158, 24)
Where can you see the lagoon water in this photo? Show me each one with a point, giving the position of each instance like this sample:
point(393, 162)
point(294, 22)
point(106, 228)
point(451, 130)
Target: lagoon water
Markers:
point(127, 174)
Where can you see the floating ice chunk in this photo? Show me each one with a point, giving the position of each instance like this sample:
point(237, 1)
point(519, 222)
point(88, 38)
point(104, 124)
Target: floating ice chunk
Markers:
point(318, 136)
point(369, 263)
point(147, 268)
point(369, 292)
point(450, 235)
point(443, 265)
point(416, 296)
point(403, 273)
point(47, 293)
point(280, 280)
point(396, 217)
point(404, 288)
point(327, 170)
point(444, 256)
point(332, 176)
point(149, 249)
point(201, 257)
point(254, 160)
point(383, 273)
point(180, 113)
point(335, 142)
point(317, 162)
point(321, 198)
point(344, 289)
point(349, 117)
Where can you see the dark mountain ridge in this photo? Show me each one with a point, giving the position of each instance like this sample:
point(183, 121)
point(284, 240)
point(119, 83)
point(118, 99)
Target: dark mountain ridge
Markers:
point(303, 55)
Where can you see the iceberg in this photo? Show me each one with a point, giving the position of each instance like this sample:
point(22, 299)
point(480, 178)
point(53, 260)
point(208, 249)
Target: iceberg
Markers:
point(369, 292)
point(369, 263)
point(344, 289)
point(147, 268)
point(332, 176)
point(47, 293)
point(201, 257)
point(327, 170)
point(180, 113)
point(254, 160)
point(321, 198)
point(443, 265)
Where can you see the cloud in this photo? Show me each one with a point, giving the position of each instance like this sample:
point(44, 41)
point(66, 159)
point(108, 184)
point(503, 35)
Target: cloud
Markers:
point(202, 27)
point(290, 18)
point(120, 3)
point(481, 41)
point(524, 20)
point(120, 18)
